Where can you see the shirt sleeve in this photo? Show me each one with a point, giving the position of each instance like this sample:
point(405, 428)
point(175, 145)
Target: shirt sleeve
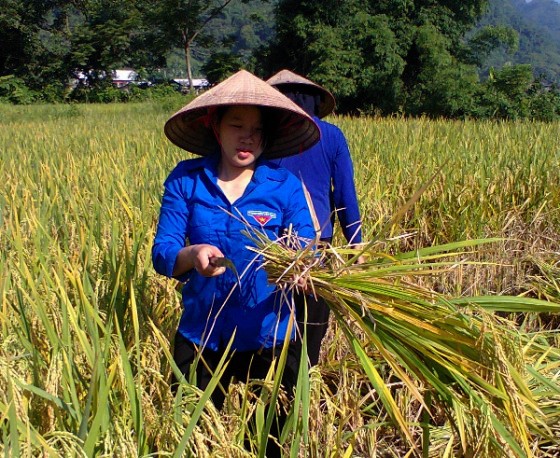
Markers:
point(344, 191)
point(172, 226)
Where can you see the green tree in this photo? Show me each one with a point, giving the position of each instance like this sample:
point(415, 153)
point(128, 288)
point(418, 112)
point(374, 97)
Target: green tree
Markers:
point(244, 26)
point(182, 23)
point(442, 84)
point(377, 54)
point(220, 66)
point(507, 92)
point(47, 42)
point(110, 34)
point(489, 38)
point(15, 30)
point(32, 46)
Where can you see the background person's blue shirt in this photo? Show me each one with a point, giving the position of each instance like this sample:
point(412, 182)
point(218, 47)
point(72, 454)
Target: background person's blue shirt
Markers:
point(327, 171)
point(194, 210)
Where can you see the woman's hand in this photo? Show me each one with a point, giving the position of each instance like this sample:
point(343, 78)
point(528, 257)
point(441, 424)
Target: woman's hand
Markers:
point(198, 257)
point(202, 256)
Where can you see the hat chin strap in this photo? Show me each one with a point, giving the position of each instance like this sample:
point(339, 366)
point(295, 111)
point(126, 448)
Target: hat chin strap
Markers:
point(210, 121)
point(216, 134)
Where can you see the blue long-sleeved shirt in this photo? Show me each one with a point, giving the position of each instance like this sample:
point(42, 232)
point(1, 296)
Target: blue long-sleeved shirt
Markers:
point(194, 210)
point(327, 171)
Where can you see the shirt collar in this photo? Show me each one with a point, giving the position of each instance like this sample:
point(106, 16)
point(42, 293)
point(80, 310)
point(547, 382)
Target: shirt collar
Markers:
point(211, 166)
point(262, 172)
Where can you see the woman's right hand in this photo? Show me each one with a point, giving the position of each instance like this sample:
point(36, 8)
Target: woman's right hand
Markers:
point(198, 257)
point(202, 255)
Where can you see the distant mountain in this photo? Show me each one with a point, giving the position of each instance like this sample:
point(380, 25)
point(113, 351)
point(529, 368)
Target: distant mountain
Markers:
point(542, 13)
point(538, 24)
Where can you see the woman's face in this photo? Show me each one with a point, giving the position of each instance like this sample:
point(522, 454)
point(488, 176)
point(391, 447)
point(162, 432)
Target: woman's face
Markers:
point(240, 133)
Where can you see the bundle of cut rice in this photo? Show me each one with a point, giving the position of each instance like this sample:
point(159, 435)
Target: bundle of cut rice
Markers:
point(454, 352)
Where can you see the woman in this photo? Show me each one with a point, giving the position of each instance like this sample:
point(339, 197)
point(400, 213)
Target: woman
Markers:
point(328, 174)
point(210, 204)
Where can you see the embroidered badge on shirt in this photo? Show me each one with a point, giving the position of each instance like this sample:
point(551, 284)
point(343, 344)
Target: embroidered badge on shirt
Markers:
point(261, 217)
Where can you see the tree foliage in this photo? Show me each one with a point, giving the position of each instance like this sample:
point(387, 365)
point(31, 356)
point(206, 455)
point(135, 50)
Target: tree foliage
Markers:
point(386, 56)
point(415, 57)
point(397, 56)
point(242, 27)
point(183, 23)
point(110, 34)
point(49, 42)
point(536, 25)
point(220, 66)
point(32, 46)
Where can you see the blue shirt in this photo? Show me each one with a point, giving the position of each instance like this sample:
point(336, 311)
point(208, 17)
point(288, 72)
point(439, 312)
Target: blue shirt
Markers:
point(327, 171)
point(194, 210)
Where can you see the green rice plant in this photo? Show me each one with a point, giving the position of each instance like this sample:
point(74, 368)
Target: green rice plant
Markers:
point(453, 354)
point(86, 325)
point(499, 181)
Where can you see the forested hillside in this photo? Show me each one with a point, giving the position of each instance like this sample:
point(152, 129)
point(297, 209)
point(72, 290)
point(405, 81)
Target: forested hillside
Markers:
point(537, 24)
point(245, 26)
point(544, 14)
point(475, 58)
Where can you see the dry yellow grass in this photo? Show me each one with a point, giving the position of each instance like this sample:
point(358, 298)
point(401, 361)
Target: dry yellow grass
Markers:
point(85, 320)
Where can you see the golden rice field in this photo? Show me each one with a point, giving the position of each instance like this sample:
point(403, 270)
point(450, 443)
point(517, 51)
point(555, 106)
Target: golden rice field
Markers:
point(86, 323)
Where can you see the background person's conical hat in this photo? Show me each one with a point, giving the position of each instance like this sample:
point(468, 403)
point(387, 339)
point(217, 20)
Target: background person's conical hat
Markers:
point(286, 77)
point(291, 129)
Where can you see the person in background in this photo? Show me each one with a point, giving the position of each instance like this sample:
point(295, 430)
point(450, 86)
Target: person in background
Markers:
point(327, 172)
point(201, 240)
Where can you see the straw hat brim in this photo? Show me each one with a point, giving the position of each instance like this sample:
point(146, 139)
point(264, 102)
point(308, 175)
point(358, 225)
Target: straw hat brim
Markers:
point(292, 130)
point(287, 77)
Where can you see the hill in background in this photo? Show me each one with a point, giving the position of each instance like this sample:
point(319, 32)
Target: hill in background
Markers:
point(538, 24)
point(245, 26)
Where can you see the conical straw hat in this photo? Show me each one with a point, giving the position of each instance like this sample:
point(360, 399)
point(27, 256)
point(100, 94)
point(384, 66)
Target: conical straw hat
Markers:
point(284, 77)
point(292, 130)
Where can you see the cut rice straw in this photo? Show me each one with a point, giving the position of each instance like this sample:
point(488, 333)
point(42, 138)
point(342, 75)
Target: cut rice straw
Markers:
point(453, 351)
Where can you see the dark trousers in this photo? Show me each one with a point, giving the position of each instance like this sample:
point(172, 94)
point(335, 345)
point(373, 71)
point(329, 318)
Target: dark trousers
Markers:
point(317, 323)
point(242, 366)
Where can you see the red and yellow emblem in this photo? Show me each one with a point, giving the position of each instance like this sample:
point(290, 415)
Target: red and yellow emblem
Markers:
point(261, 217)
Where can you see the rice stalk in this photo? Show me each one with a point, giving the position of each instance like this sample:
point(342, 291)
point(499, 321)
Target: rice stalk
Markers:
point(80, 193)
point(466, 360)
